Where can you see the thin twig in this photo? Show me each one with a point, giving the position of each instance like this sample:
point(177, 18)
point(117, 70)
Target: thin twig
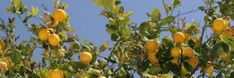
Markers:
point(187, 12)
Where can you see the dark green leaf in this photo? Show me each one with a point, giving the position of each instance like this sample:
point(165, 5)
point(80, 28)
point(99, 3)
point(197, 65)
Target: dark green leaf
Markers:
point(176, 3)
point(114, 37)
point(167, 20)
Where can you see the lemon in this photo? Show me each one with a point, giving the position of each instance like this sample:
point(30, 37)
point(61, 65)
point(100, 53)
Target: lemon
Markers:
point(54, 40)
point(188, 52)
point(85, 57)
point(175, 52)
point(225, 56)
point(59, 15)
point(3, 66)
point(218, 25)
point(208, 70)
point(44, 34)
point(56, 73)
point(152, 45)
point(101, 77)
point(179, 37)
point(193, 61)
point(153, 59)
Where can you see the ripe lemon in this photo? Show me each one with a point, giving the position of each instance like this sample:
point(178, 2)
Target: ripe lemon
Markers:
point(188, 52)
point(152, 45)
point(208, 70)
point(197, 40)
point(175, 52)
point(179, 37)
point(225, 56)
point(101, 77)
point(3, 66)
point(60, 15)
point(56, 73)
point(54, 40)
point(153, 59)
point(193, 61)
point(218, 25)
point(44, 34)
point(85, 57)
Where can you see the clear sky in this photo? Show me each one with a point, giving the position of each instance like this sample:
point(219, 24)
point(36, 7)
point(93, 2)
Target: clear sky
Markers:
point(87, 21)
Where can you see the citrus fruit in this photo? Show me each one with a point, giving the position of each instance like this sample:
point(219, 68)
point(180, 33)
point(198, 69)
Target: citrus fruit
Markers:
point(152, 45)
point(3, 66)
point(179, 37)
point(54, 40)
point(59, 15)
point(188, 52)
point(44, 34)
point(193, 61)
point(56, 73)
point(218, 25)
point(153, 59)
point(85, 57)
point(208, 70)
point(175, 52)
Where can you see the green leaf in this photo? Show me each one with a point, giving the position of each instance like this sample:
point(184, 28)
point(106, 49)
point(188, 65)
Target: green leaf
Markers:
point(26, 19)
point(69, 28)
point(112, 29)
point(176, 3)
point(34, 11)
point(104, 3)
point(167, 8)
point(126, 33)
point(143, 28)
point(167, 20)
point(16, 57)
point(155, 14)
point(228, 40)
point(104, 46)
point(215, 50)
point(114, 37)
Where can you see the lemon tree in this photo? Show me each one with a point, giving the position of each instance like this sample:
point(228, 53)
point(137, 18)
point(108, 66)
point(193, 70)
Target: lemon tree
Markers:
point(138, 50)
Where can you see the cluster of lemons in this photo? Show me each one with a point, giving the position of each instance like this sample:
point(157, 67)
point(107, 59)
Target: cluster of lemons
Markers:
point(5, 64)
point(152, 47)
point(187, 52)
point(48, 35)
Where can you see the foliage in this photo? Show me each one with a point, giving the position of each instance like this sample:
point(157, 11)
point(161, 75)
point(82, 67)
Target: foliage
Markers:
point(137, 50)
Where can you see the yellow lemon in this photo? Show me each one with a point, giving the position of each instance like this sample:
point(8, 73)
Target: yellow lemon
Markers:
point(101, 77)
point(193, 61)
point(197, 40)
point(85, 57)
point(218, 25)
point(3, 66)
point(179, 37)
point(175, 52)
point(54, 40)
point(60, 15)
point(208, 70)
point(153, 59)
point(44, 34)
point(152, 45)
point(188, 52)
point(225, 56)
point(56, 73)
